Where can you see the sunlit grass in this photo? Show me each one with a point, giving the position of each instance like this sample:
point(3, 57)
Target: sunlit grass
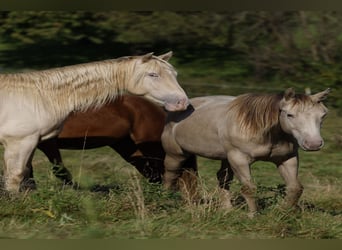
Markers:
point(132, 208)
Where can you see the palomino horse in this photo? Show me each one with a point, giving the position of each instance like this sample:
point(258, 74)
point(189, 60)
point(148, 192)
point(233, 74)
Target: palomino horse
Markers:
point(130, 125)
point(242, 130)
point(35, 104)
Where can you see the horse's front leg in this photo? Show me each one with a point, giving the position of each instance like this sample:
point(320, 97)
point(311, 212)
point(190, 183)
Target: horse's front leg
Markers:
point(241, 168)
point(16, 156)
point(50, 148)
point(28, 182)
point(172, 171)
point(294, 189)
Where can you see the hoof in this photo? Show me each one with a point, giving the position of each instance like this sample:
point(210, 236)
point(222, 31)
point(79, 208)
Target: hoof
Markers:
point(27, 185)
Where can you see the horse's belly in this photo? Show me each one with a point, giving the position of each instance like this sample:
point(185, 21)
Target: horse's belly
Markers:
point(85, 142)
point(204, 146)
point(215, 155)
point(15, 124)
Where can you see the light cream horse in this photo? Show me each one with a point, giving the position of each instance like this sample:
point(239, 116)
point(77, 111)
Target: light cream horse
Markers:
point(242, 130)
point(34, 105)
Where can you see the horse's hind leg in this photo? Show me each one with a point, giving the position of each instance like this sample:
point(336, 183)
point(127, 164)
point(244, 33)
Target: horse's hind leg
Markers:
point(149, 166)
point(225, 176)
point(50, 149)
point(16, 156)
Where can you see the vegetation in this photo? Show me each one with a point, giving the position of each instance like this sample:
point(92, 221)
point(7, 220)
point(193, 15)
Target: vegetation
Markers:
point(132, 208)
point(215, 53)
point(301, 48)
point(116, 202)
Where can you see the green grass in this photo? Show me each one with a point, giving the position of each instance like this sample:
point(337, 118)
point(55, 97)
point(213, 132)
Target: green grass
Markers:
point(135, 209)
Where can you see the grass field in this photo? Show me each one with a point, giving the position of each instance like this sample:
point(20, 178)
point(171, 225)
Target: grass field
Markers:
point(135, 209)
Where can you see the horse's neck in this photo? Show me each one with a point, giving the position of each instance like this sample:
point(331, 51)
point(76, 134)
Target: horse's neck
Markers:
point(146, 118)
point(79, 87)
point(84, 74)
point(92, 87)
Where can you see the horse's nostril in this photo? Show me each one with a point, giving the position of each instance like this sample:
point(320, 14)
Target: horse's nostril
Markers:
point(181, 102)
point(313, 144)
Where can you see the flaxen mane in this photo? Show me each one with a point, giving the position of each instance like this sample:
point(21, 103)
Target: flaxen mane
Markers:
point(257, 114)
point(75, 87)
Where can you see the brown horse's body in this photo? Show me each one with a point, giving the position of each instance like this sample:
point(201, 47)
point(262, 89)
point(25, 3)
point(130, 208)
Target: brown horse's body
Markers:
point(130, 125)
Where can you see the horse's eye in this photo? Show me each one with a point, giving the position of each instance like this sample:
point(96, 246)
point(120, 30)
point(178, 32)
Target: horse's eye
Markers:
point(290, 115)
point(153, 74)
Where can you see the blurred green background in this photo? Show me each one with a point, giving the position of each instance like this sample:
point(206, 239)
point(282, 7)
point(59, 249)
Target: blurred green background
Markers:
point(231, 52)
point(214, 53)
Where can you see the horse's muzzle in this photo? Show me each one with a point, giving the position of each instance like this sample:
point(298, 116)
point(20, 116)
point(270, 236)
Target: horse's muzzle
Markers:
point(178, 105)
point(312, 145)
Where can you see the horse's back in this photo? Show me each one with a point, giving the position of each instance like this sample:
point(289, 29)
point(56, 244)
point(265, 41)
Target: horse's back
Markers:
point(198, 102)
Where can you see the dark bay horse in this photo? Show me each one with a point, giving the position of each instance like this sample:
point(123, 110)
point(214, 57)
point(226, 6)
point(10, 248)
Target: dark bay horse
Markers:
point(242, 130)
point(130, 125)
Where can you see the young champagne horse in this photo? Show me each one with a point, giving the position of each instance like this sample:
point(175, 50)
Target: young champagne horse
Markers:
point(34, 105)
point(130, 125)
point(242, 130)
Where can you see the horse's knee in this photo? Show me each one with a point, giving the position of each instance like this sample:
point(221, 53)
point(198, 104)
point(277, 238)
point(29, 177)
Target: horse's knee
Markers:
point(12, 183)
point(298, 189)
point(170, 180)
point(172, 171)
point(293, 193)
point(249, 190)
point(249, 193)
point(62, 173)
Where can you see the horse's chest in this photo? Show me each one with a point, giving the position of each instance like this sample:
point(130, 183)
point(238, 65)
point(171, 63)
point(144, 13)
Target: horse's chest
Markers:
point(281, 150)
point(271, 151)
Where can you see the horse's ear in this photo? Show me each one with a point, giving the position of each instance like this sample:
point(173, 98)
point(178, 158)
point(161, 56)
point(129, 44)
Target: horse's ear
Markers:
point(289, 93)
point(320, 96)
point(166, 56)
point(147, 57)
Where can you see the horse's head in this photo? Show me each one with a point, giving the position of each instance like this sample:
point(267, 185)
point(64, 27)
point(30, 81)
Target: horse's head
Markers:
point(155, 79)
point(302, 117)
